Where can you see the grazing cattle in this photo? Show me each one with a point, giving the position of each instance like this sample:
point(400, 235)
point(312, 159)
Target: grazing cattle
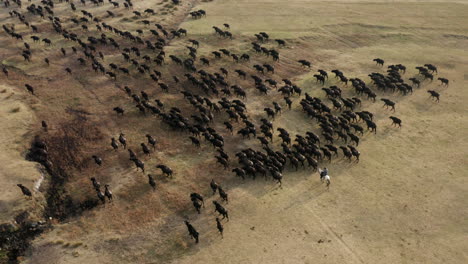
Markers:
point(101, 196)
point(305, 63)
point(277, 176)
point(428, 76)
point(221, 210)
point(415, 82)
point(389, 103)
point(379, 61)
point(223, 154)
point(332, 149)
point(431, 67)
point(240, 172)
point(235, 57)
point(354, 138)
point(288, 102)
point(326, 153)
point(24, 190)
point(434, 95)
point(395, 121)
point(151, 182)
point(29, 88)
point(114, 144)
point(194, 43)
point(241, 73)
point(205, 61)
point(270, 112)
point(123, 140)
point(192, 231)
point(222, 194)
point(443, 81)
point(216, 54)
point(346, 152)
point(263, 141)
point(222, 161)
point(96, 184)
point(119, 110)
point(196, 203)
point(280, 42)
point(259, 68)
point(165, 170)
point(149, 11)
point(151, 140)
point(131, 154)
point(164, 87)
point(371, 125)
point(44, 125)
point(224, 71)
point(145, 149)
point(196, 196)
point(355, 152)
point(107, 192)
point(319, 78)
point(97, 160)
point(228, 126)
point(323, 73)
point(213, 186)
point(139, 164)
point(195, 141)
point(219, 226)
point(357, 128)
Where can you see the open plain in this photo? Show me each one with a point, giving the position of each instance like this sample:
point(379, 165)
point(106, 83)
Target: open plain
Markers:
point(405, 201)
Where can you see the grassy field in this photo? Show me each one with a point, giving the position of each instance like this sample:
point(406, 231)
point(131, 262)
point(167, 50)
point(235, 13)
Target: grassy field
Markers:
point(17, 119)
point(404, 202)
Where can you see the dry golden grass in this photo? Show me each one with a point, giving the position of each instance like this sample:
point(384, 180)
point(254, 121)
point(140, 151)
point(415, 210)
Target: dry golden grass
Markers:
point(403, 203)
point(16, 123)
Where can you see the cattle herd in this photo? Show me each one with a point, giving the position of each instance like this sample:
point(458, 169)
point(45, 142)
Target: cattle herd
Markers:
point(216, 97)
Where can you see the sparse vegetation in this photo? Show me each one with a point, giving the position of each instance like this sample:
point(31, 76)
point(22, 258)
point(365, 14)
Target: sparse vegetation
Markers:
point(396, 183)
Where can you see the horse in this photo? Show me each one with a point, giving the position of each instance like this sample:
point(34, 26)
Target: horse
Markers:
point(325, 178)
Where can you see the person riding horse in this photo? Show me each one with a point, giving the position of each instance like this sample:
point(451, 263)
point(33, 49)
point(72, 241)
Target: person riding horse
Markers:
point(324, 176)
point(323, 173)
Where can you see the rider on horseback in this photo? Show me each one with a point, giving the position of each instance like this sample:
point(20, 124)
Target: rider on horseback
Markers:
point(324, 176)
point(323, 173)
